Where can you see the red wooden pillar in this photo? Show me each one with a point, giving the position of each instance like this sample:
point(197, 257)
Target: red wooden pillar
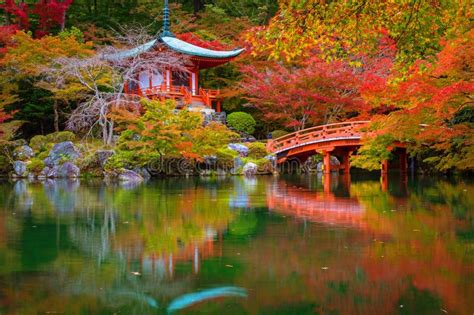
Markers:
point(346, 162)
point(384, 167)
point(403, 160)
point(218, 106)
point(327, 162)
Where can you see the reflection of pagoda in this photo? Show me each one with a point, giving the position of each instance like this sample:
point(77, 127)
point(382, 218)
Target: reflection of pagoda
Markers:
point(183, 87)
point(163, 264)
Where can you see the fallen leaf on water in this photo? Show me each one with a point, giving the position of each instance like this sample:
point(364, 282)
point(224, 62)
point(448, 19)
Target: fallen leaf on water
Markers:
point(229, 266)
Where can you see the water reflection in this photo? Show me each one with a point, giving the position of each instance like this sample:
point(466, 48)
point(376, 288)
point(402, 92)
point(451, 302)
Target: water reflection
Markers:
point(289, 245)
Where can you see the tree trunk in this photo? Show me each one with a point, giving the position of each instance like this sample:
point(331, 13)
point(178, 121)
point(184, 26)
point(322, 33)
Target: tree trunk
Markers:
point(56, 116)
point(111, 133)
point(197, 6)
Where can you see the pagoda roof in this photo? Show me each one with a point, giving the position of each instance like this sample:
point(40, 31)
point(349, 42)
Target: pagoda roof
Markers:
point(193, 50)
point(180, 46)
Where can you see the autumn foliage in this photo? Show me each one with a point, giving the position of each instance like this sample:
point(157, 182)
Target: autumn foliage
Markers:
point(50, 13)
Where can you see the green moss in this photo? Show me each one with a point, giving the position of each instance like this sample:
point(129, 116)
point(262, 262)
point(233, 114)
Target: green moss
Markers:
point(35, 166)
point(257, 150)
point(60, 136)
point(37, 143)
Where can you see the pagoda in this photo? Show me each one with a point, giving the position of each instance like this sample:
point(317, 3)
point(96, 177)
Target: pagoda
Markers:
point(182, 87)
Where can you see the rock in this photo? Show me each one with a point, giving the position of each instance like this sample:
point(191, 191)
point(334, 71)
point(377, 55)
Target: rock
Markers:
point(23, 153)
point(103, 156)
point(210, 159)
point(68, 170)
point(63, 151)
point(242, 149)
point(20, 169)
point(250, 169)
point(221, 172)
point(130, 176)
point(143, 172)
point(334, 161)
point(319, 167)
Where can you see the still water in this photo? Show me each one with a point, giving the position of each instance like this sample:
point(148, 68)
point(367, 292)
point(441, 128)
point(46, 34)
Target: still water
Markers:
point(269, 245)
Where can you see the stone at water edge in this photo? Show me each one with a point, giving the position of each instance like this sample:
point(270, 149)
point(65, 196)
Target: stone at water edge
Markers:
point(20, 169)
point(63, 150)
point(250, 169)
point(242, 149)
point(130, 176)
point(143, 172)
point(103, 156)
point(23, 153)
point(68, 170)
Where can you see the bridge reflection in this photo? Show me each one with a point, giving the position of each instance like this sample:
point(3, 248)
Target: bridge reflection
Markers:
point(316, 206)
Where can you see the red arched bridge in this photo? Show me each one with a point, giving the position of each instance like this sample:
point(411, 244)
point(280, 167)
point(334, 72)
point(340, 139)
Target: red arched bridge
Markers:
point(340, 140)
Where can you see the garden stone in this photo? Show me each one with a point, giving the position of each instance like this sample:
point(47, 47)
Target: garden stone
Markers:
point(242, 149)
point(143, 172)
point(319, 167)
point(63, 150)
point(103, 156)
point(20, 168)
point(334, 161)
point(250, 169)
point(23, 153)
point(68, 170)
point(130, 176)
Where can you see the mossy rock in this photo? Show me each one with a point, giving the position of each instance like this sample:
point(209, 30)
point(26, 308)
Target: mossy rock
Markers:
point(35, 166)
point(257, 150)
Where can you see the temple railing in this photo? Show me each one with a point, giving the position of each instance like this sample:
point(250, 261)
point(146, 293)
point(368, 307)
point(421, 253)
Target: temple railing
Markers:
point(205, 95)
point(313, 134)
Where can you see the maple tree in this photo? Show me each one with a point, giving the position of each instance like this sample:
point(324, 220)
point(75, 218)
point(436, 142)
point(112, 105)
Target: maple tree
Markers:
point(339, 29)
point(50, 13)
point(25, 64)
point(298, 97)
point(434, 104)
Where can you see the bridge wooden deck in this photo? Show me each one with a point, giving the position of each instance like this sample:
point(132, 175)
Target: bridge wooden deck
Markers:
point(339, 139)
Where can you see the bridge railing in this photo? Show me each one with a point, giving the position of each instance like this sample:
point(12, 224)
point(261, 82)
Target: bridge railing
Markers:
point(337, 130)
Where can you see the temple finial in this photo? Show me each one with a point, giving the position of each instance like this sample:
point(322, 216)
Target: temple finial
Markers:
point(165, 32)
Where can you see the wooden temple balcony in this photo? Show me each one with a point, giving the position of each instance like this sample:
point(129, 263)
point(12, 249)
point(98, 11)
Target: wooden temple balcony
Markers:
point(182, 95)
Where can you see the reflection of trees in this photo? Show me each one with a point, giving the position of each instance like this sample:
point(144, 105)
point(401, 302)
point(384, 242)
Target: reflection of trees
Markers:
point(104, 234)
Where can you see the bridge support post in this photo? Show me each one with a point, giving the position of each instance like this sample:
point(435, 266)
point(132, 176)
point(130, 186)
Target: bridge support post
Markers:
point(384, 167)
point(403, 160)
point(346, 162)
point(327, 162)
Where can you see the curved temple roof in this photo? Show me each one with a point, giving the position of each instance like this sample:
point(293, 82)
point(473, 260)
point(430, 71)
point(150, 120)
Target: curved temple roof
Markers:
point(179, 46)
point(193, 50)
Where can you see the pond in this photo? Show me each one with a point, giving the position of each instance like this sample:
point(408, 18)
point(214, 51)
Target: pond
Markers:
point(267, 245)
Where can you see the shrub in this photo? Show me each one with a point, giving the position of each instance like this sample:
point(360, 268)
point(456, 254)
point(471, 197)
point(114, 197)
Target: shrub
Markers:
point(242, 122)
point(278, 133)
point(38, 143)
point(225, 157)
point(35, 166)
point(60, 136)
point(257, 150)
point(41, 143)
